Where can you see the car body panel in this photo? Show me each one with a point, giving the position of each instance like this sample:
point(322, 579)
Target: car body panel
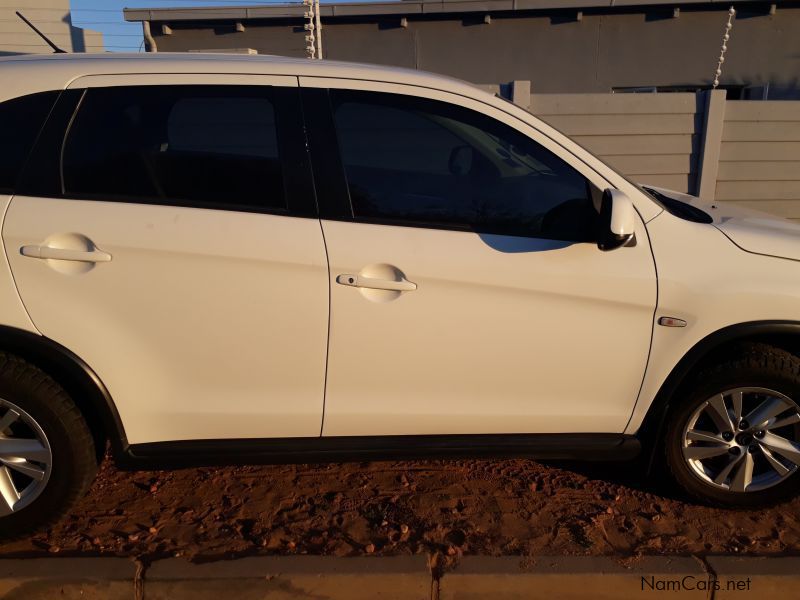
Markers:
point(492, 336)
point(11, 306)
point(205, 324)
point(501, 334)
point(752, 230)
point(711, 283)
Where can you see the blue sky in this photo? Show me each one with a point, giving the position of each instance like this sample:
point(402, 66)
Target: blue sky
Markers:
point(120, 36)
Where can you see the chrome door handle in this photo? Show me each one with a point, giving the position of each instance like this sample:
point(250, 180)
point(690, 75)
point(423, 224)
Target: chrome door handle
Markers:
point(37, 251)
point(376, 284)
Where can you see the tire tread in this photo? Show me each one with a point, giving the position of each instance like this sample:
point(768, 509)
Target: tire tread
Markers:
point(84, 463)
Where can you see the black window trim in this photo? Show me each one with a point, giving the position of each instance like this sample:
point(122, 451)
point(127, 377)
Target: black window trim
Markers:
point(330, 181)
point(14, 190)
point(330, 178)
point(295, 162)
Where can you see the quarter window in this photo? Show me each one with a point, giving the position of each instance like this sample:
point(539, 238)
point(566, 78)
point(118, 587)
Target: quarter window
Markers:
point(417, 161)
point(214, 146)
point(21, 119)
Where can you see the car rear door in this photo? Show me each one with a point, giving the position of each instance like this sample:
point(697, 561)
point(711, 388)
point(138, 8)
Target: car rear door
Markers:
point(172, 242)
point(468, 293)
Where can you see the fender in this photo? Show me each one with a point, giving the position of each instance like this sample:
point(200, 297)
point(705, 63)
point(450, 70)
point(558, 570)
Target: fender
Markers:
point(78, 380)
point(651, 430)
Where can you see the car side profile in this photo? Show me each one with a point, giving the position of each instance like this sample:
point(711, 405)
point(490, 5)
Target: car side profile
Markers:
point(216, 259)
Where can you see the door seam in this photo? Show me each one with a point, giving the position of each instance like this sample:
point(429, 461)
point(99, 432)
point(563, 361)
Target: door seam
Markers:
point(328, 339)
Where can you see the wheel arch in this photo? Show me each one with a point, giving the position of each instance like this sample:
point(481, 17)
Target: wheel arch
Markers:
point(781, 334)
point(77, 378)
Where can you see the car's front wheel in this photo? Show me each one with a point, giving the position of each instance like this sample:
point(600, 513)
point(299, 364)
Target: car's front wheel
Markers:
point(733, 435)
point(47, 455)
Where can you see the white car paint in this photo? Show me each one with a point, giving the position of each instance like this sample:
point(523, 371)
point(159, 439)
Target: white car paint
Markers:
point(205, 324)
point(751, 230)
point(493, 339)
point(711, 283)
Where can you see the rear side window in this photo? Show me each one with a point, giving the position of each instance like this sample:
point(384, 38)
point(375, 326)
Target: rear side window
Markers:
point(208, 146)
point(21, 119)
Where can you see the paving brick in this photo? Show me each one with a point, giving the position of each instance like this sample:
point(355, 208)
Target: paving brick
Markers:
point(294, 577)
point(570, 578)
point(67, 578)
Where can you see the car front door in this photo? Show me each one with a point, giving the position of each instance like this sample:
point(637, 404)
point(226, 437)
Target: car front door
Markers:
point(172, 243)
point(468, 294)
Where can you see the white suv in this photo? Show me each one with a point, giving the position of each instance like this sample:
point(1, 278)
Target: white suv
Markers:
point(215, 259)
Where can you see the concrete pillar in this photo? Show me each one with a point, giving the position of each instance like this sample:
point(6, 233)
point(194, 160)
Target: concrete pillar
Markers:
point(521, 94)
point(713, 102)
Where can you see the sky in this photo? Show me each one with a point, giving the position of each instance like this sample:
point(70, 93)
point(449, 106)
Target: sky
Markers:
point(121, 36)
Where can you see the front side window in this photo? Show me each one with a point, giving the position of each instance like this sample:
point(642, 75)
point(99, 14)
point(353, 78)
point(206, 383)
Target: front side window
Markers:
point(415, 161)
point(213, 146)
point(21, 119)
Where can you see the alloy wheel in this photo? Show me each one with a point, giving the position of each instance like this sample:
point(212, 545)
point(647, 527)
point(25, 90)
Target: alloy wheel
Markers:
point(744, 439)
point(26, 459)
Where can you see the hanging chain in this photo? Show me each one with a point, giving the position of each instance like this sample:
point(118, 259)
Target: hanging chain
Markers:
point(311, 46)
point(725, 39)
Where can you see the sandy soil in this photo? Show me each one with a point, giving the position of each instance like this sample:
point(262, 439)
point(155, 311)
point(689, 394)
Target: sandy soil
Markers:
point(447, 508)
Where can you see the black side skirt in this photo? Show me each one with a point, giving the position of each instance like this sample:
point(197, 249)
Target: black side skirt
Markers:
point(561, 446)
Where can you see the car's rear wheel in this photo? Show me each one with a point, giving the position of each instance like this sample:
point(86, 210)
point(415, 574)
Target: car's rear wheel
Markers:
point(733, 436)
point(47, 455)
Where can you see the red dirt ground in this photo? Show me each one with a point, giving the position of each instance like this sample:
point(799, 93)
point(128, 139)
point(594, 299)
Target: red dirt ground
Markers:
point(450, 508)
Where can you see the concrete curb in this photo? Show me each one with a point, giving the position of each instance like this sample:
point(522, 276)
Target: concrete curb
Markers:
point(567, 578)
point(290, 577)
point(406, 577)
point(89, 578)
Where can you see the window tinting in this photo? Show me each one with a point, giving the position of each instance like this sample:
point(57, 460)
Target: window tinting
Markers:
point(417, 161)
point(21, 119)
point(205, 145)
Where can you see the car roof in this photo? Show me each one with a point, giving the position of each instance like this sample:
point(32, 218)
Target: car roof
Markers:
point(56, 71)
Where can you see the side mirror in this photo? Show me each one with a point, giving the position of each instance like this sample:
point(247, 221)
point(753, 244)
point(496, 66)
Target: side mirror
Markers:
point(617, 220)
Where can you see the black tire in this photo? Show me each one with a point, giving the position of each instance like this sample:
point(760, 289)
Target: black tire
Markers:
point(74, 462)
point(749, 365)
